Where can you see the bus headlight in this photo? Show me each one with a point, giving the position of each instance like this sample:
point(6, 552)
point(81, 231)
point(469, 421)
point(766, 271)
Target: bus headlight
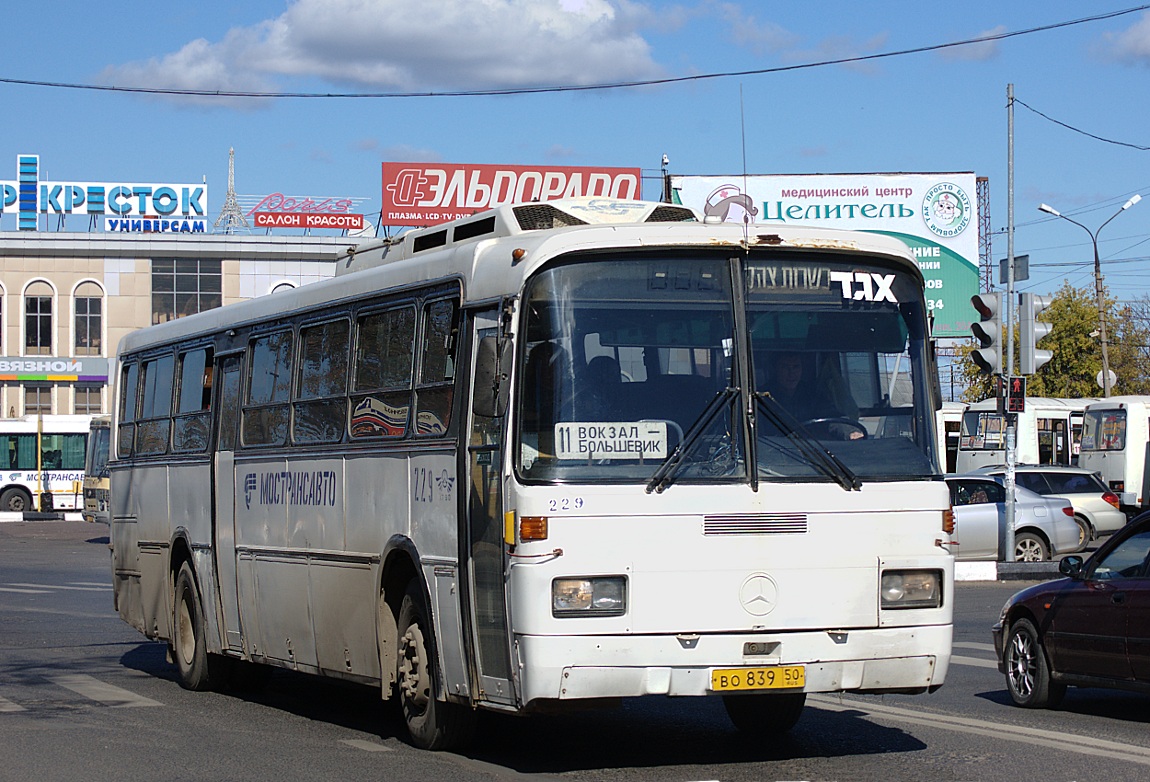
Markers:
point(911, 589)
point(598, 596)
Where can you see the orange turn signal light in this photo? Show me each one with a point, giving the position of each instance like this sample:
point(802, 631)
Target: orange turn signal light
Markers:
point(532, 528)
point(948, 521)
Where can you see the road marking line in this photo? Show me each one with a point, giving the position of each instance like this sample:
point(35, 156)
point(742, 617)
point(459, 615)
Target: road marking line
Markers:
point(109, 694)
point(369, 746)
point(26, 591)
point(975, 661)
point(7, 705)
point(972, 645)
point(101, 584)
point(1085, 745)
point(61, 586)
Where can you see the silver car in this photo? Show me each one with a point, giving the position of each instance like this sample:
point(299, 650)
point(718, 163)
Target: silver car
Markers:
point(1043, 526)
point(1096, 508)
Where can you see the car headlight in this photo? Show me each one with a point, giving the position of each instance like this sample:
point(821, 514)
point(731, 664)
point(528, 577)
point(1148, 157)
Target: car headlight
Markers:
point(597, 596)
point(911, 589)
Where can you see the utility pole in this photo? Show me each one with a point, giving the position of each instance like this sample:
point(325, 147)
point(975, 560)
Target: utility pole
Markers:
point(1011, 433)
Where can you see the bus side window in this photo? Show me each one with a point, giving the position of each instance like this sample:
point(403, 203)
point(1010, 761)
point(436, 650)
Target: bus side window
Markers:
point(321, 401)
point(436, 385)
point(129, 390)
point(193, 400)
point(267, 412)
point(381, 375)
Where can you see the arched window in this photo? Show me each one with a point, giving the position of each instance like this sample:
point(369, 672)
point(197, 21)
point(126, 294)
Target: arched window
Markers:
point(38, 319)
point(89, 300)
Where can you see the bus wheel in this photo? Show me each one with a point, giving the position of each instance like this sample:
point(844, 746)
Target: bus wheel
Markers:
point(432, 724)
point(14, 501)
point(189, 644)
point(765, 714)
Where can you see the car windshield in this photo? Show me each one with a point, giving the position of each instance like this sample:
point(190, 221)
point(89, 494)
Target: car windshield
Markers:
point(627, 360)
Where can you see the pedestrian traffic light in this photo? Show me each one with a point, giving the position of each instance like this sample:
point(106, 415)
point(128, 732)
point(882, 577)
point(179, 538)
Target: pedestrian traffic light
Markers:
point(1031, 330)
point(988, 331)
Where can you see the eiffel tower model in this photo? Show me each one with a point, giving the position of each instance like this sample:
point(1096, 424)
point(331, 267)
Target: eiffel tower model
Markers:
point(231, 217)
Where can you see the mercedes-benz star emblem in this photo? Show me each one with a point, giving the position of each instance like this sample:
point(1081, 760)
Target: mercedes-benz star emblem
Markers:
point(759, 594)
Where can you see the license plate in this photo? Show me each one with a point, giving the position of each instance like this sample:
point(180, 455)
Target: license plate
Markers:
point(773, 678)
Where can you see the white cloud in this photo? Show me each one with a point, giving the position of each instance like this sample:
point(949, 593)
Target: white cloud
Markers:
point(1131, 46)
point(746, 30)
point(978, 52)
point(398, 45)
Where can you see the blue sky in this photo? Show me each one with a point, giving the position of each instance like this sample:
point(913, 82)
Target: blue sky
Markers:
point(942, 110)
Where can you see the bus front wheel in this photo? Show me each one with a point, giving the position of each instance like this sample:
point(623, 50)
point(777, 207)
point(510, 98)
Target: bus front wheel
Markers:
point(765, 714)
point(431, 723)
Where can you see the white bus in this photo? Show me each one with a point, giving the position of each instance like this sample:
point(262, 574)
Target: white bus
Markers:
point(1115, 440)
point(43, 462)
point(527, 460)
point(1047, 431)
point(949, 422)
point(96, 477)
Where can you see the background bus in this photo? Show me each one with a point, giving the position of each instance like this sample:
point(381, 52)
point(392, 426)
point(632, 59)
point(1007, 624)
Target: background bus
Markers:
point(96, 475)
point(43, 462)
point(1115, 442)
point(1048, 432)
point(529, 460)
point(949, 422)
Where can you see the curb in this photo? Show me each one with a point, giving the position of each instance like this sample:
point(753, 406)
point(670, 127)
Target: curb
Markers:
point(1006, 571)
point(37, 516)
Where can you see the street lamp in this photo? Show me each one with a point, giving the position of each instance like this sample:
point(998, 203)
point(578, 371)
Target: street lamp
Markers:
point(1097, 282)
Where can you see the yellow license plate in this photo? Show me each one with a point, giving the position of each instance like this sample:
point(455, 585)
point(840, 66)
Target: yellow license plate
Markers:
point(773, 678)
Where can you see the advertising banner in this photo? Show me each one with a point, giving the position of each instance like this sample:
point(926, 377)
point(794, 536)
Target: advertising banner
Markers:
point(419, 194)
point(935, 215)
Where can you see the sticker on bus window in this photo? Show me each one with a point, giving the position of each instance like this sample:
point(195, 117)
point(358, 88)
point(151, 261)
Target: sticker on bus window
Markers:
point(607, 440)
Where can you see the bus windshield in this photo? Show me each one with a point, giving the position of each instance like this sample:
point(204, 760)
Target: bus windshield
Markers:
point(629, 362)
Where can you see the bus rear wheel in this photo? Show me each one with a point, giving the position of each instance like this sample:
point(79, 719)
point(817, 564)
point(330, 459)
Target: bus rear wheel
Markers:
point(765, 714)
point(198, 669)
point(15, 501)
point(432, 724)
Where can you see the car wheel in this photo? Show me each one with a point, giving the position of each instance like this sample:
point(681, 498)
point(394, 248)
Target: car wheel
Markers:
point(1027, 673)
point(765, 714)
point(431, 723)
point(1085, 534)
point(1028, 547)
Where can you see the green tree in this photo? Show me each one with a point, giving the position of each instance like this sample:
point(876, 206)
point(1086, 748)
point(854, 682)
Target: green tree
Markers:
point(1073, 370)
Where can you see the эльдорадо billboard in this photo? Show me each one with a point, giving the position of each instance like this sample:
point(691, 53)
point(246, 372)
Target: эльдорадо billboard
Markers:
point(429, 193)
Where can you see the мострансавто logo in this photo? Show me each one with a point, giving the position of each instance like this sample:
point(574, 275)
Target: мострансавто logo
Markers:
point(946, 209)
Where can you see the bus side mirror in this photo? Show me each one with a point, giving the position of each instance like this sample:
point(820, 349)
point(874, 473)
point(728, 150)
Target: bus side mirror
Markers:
point(491, 362)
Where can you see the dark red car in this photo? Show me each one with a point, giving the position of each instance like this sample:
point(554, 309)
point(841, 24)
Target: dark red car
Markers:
point(1090, 629)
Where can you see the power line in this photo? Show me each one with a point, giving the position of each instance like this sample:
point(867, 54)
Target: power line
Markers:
point(1079, 130)
point(572, 87)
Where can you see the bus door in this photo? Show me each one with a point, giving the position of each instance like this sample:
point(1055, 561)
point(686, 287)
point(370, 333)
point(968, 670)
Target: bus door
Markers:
point(486, 551)
point(228, 373)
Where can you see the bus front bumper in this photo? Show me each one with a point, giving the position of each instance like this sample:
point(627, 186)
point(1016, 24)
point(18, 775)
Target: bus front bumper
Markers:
point(873, 660)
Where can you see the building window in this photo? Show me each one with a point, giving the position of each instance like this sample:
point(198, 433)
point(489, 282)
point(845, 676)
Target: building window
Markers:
point(88, 400)
point(182, 286)
point(37, 398)
point(89, 319)
point(38, 320)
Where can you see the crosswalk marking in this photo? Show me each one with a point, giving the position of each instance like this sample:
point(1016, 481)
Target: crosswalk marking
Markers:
point(369, 746)
point(63, 586)
point(108, 694)
point(7, 705)
point(973, 645)
point(975, 661)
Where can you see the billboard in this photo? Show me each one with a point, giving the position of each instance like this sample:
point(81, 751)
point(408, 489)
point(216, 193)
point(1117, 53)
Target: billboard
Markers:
point(29, 196)
point(935, 215)
point(418, 194)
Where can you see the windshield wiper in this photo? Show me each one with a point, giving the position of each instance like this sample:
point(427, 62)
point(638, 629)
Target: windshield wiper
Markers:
point(814, 451)
point(662, 477)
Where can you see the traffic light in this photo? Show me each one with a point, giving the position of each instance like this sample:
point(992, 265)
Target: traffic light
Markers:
point(988, 332)
point(1031, 330)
